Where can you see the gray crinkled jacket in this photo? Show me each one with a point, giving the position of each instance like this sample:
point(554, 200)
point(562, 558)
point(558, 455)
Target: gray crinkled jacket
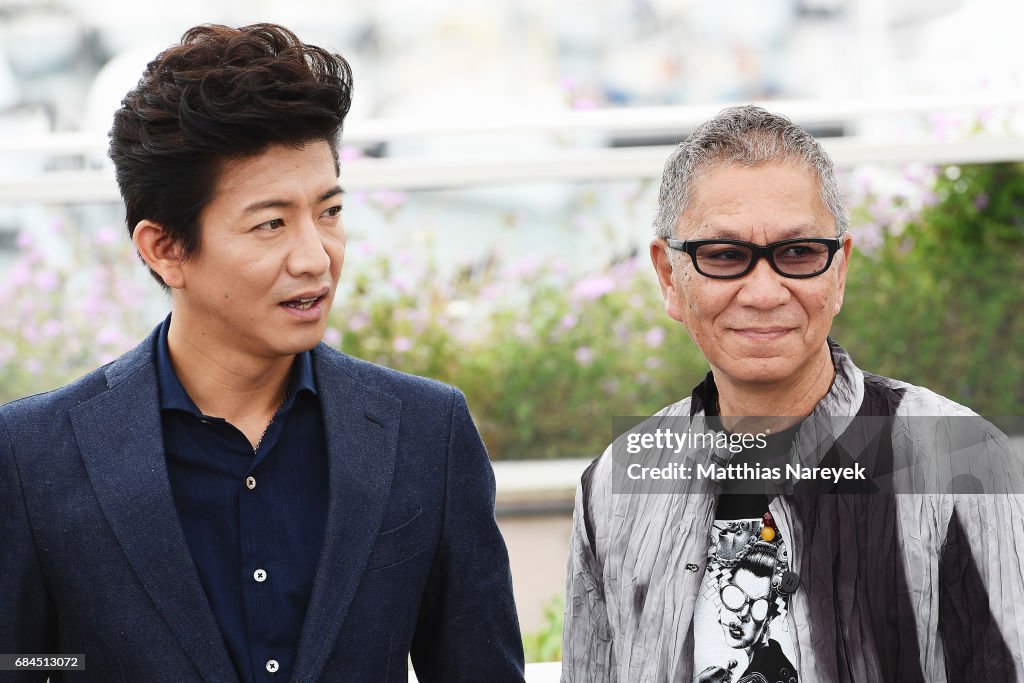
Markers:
point(923, 586)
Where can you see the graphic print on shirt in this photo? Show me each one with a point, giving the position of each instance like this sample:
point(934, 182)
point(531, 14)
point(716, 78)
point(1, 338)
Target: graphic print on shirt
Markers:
point(741, 634)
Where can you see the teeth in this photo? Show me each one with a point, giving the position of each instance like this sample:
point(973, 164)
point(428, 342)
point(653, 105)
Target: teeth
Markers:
point(302, 304)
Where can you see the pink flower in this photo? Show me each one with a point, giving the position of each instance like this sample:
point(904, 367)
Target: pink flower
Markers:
point(33, 366)
point(402, 283)
point(358, 321)
point(625, 270)
point(20, 275)
point(593, 287)
point(568, 321)
point(6, 354)
point(46, 281)
point(106, 235)
point(51, 329)
point(109, 336)
point(584, 355)
point(402, 344)
point(332, 337)
point(654, 337)
point(92, 305)
point(524, 267)
point(492, 292)
point(868, 237)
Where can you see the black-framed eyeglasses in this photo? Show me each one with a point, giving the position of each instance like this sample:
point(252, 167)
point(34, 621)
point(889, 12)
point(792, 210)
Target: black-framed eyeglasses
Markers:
point(735, 599)
point(727, 259)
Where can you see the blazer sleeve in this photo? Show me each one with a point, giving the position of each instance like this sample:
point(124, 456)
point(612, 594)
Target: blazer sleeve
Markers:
point(587, 652)
point(467, 628)
point(25, 611)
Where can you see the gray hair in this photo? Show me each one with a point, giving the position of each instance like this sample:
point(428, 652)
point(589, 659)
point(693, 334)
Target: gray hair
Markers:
point(747, 135)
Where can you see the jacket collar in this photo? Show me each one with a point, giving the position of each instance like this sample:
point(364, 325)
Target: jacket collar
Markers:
point(119, 436)
point(361, 424)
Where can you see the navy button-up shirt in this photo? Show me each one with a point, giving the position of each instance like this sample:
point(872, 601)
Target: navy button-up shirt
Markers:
point(254, 522)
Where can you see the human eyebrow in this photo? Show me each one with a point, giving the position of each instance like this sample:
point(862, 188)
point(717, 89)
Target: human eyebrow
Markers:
point(713, 232)
point(802, 231)
point(333, 192)
point(268, 204)
point(285, 204)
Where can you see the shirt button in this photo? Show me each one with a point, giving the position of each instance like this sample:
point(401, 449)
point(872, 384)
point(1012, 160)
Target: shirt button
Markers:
point(250, 483)
point(272, 665)
point(259, 575)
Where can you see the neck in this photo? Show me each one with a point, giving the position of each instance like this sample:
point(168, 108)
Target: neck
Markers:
point(779, 405)
point(222, 381)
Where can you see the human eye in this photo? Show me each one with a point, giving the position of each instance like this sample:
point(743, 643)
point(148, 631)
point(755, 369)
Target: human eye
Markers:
point(332, 214)
point(271, 225)
point(724, 253)
point(801, 251)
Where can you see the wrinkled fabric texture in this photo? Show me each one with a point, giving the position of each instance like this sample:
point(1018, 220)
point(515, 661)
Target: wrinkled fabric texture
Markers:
point(894, 587)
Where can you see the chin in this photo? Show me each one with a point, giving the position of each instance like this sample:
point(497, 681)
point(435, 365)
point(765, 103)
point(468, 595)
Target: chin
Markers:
point(763, 371)
point(299, 343)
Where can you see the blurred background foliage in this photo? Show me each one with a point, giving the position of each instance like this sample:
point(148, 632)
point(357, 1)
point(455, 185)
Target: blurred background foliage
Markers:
point(545, 644)
point(939, 301)
point(546, 355)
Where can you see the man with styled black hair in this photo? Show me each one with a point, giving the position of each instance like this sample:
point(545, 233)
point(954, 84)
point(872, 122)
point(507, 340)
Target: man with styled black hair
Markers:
point(232, 499)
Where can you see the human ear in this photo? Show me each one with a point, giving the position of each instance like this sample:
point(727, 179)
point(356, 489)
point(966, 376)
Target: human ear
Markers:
point(160, 252)
point(662, 260)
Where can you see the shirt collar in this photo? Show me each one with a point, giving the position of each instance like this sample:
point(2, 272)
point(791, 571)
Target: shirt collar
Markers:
point(174, 397)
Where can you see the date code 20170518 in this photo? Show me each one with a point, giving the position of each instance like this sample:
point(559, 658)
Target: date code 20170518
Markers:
point(42, 662)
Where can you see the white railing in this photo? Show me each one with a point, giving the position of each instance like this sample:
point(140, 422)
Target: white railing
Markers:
point(570, 147)
point(613, 121)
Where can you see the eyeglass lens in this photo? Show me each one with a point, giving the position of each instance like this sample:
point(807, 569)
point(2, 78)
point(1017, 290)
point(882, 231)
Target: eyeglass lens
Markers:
point(734, 598)
point(799, 258)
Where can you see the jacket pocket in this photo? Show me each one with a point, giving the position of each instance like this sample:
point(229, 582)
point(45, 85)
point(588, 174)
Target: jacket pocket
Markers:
point(399, 543)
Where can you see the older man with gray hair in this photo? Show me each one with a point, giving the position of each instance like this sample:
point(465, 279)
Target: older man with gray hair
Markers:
point(833, 525)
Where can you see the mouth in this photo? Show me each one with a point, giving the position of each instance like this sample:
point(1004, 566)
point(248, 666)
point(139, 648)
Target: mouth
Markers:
point(736, 632)
point(762, 332)
point(307, 300)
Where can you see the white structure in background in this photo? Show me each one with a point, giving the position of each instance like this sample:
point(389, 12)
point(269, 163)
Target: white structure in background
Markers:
point(545, 672)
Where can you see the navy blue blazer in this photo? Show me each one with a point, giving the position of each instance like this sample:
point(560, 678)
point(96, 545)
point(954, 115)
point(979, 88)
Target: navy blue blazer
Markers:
point(93, 559)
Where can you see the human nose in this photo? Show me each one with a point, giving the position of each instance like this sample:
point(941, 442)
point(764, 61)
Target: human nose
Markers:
point(762, 287)
point(308, 254)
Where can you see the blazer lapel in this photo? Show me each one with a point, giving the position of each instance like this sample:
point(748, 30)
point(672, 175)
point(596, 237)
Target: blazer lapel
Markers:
point(361, 426)
point(119, 435)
